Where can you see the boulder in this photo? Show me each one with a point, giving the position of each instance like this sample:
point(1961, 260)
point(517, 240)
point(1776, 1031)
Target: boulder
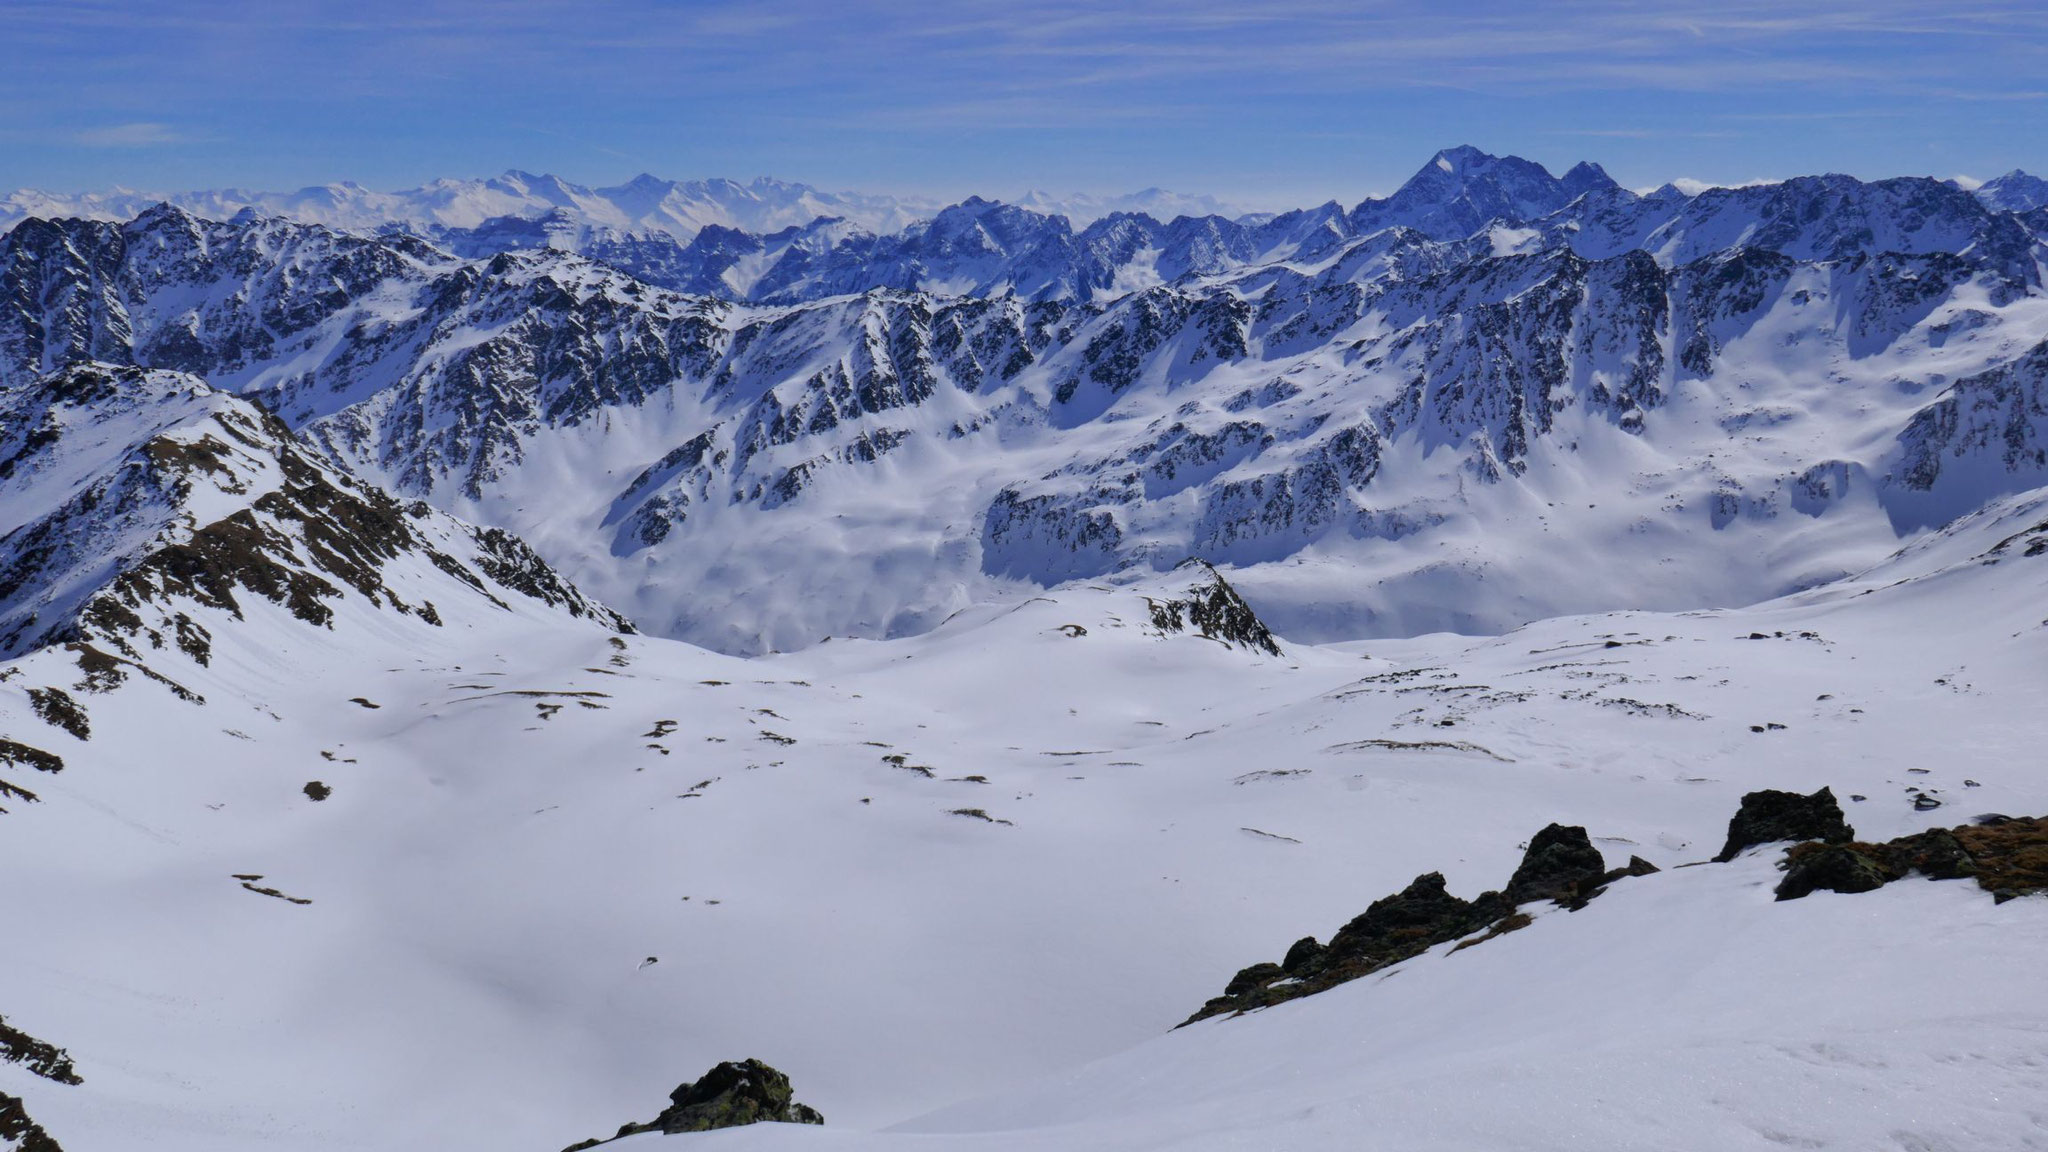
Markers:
point(1305, 954)
point(1810, 868)
point(734, 1093)
point(1770, 816)
point(1560, 864)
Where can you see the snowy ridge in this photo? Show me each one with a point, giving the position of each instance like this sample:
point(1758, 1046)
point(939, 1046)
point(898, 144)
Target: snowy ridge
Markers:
point(644, 204)
point(150, 496)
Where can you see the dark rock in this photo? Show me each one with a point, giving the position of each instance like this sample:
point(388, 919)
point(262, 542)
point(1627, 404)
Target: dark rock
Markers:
point(733, 1094)
point(1561, 864)
point(19, 1132)
point(1215, 610)
point(2011, 856)
point(1935, 854)
point(1256, 976)
point(1637, 866)
point(40, 1057)
point(1925, 803)
point(55, 707)
point(316, 791)
point(1390, 930)
point(1769, 816)
point(1302, 956)
point(1834, 867)
point(14, 754)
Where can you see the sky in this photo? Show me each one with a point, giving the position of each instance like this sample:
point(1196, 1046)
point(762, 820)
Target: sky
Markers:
point(1275, 104)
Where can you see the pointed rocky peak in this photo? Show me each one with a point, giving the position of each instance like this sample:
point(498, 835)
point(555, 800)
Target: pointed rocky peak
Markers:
point(2016, 191)
point(1209, 607)
point(163, 214)
point(1462, 190)
point(1586, 176)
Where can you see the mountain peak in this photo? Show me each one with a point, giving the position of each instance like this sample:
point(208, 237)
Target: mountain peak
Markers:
point(1586, 176)
point(1463, 189)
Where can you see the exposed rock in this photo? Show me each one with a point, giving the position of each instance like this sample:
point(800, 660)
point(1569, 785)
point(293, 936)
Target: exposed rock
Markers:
point(14, 754)
point(55, 707)
point(38, 1056)
point(1835, 867)
point(1637, 866)
point(2011, 856)
point(1390, 930)
point(1305, 952)
point(1215, 610)
point(2008, 857)
point(20, 1133)
point(732, 1094)
point(1769, 816)
point(1561, 864)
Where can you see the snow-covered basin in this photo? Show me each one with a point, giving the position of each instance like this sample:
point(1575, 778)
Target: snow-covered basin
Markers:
point(488, 883)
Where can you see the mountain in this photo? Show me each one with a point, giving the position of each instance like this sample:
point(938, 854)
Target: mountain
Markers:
point(458, 682)
point(644, 204)
point(2016, 191)
point(1462, 190)
point(1729, 396)
point(143, 510)
point(641, 208)
point(1157, 203)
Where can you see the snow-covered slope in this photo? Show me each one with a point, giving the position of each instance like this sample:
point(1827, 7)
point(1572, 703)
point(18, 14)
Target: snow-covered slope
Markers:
point(556, 872)
point(131, 498)
point(335, 821)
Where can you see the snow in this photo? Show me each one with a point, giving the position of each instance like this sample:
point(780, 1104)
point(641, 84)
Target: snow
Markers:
point(487, 883)
point(1564, 509)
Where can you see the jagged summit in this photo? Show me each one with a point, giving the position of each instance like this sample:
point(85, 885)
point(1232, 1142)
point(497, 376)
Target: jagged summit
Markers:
point(1463, 189)
point(2016, 191)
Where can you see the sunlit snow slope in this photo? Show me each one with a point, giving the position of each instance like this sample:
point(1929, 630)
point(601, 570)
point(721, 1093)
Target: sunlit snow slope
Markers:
point(527, 810)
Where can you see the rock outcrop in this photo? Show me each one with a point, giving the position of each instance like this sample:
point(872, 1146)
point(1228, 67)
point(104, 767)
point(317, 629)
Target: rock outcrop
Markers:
point(18, 1131)
point(1560, 865)
point(1770, 816)
point(2007, 857)
point(731, 1094)
point(1212, 608)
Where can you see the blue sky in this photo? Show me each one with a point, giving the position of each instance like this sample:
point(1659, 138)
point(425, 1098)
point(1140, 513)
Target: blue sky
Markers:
point(1274, 104)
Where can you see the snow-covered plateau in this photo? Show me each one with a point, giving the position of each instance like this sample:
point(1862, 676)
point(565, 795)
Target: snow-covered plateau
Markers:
point(459, 686)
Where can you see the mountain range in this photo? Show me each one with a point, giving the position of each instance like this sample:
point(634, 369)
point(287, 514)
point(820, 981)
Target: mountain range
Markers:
point(1385, 419)
point(472, 658)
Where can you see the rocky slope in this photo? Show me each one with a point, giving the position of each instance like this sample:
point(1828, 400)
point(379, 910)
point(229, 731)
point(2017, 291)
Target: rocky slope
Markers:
point(138, 503)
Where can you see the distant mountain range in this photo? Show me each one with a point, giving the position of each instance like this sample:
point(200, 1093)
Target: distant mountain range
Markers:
point(1415, 413)
point(644, 205)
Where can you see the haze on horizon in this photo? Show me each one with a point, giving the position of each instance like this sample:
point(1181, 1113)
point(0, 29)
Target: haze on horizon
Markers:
point(1280, 105)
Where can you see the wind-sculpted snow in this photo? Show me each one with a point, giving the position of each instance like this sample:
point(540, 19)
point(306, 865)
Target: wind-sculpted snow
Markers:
point(1388, 419)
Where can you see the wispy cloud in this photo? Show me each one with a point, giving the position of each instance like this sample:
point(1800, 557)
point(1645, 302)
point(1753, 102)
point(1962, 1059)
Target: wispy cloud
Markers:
point(141, 134)
point(944, 90)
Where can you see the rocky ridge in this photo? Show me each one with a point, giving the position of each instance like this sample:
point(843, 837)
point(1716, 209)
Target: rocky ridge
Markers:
point(2007, 857)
